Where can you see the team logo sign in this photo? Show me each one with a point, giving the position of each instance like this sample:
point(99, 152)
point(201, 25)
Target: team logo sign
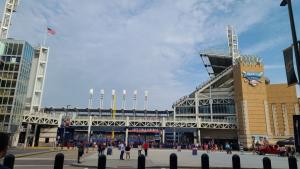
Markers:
point(253, 77)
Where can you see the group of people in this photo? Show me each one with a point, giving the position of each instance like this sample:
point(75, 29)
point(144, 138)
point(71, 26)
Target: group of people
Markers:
point(126, 149)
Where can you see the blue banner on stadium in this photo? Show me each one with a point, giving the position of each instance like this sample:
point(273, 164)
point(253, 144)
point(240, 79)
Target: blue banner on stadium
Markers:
point(289, 66)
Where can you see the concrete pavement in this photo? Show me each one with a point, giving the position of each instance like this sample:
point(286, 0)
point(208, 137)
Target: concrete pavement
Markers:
point(160, 159)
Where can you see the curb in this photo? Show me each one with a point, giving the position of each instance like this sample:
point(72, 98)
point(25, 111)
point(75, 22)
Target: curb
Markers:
point(35, 153)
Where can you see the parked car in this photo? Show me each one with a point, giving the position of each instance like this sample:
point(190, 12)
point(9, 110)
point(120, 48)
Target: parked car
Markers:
point(287, 142)
point(270, 149)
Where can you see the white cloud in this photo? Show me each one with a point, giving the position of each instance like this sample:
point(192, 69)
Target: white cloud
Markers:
point(144, 45)
point(274, 66)
point(264, 45)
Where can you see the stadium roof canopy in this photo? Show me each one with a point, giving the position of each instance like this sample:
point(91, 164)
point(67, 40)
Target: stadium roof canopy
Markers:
point(215, 63)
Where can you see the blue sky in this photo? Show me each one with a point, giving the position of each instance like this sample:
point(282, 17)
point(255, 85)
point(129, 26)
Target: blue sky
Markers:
point(146, 45)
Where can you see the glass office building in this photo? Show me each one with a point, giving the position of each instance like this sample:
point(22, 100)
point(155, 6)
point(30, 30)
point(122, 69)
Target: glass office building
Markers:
point(15, 64)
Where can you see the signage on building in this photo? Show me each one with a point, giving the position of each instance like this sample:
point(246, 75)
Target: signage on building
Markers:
point(252, 77)
point(289, 66)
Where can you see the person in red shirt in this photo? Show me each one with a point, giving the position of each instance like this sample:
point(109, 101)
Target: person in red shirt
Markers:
point(146, 146)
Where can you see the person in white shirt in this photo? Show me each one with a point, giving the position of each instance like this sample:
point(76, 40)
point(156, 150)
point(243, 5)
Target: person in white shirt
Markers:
point(139, 149)
point(122, 148)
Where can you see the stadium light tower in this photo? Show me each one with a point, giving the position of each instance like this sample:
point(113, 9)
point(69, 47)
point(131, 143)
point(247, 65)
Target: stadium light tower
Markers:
point(124, 100)
point(294, 35)
point(113, 96)
point(91, 92)
point(134, 100)
point(101, 98)
point(9, 7)
point(146, 100)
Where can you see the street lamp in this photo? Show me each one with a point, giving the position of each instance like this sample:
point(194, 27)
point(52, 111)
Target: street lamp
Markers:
point(294, 35)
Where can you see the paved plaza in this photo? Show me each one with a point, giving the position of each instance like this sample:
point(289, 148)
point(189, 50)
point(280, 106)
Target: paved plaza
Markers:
point(157, 159)
point(160, 159)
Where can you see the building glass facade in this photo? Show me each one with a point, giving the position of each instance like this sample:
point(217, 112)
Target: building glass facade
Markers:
point(15, 64)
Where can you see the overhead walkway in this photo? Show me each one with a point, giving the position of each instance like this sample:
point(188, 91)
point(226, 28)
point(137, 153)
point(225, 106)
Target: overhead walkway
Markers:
point(161, 122)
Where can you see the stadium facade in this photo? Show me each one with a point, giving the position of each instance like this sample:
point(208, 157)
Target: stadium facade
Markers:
point(237, 104)
point(238, 91)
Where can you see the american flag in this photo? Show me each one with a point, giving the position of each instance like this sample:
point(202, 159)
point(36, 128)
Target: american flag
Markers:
point(51, 31)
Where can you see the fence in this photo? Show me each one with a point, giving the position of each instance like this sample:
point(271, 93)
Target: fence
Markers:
point(236, 163)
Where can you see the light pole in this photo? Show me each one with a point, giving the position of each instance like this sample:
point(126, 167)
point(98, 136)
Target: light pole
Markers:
point(91, 92)
point(294, 35)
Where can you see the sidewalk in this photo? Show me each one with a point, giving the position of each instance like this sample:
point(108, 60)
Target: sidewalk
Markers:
point(28, 151)
point(160, 159)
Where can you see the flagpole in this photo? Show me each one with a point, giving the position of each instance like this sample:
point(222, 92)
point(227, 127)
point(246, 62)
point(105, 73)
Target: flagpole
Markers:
point(45, 37)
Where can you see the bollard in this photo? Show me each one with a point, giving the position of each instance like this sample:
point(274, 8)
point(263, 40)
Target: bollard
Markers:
point(173, 161)
point(141, 162)
point(292, 163)
point(9, 161)
point(59, 161)
point(267, 163)
point(236, 163)
point(205, 161)
point(102, 162)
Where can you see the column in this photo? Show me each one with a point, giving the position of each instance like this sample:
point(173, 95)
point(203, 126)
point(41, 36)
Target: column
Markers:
point(126, 136)
point(296, 107)
point(195, 137)
point(27, 134)
point(196, 106)
point(199, 136)
point(285, 120)
point(275, 120)
point(245, 116)
point(34, 135)
point(174, 136)
point(267, 117)
point(163, 135)
point(126, 129)
point(89, 128)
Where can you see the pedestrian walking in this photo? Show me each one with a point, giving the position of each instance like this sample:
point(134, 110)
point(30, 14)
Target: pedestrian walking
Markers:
point(241, 148)
point(227, 148)
point(146, 146)
point(99, 148)
point(194, 151)
point(4, 137)
point(103, 149)
point(179, 148)
point(80, 147)
point(139, 149)
point(122, 148)
point(109, 149)
point(127, 150)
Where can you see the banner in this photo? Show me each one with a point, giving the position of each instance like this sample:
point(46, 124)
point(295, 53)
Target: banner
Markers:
point(289, 66)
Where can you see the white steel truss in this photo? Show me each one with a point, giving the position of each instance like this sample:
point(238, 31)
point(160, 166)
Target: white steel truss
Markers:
point(41, 118)
point(48, 119)
point(190, 102)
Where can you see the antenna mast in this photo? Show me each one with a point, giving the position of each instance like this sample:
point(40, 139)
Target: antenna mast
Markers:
point(9, 8)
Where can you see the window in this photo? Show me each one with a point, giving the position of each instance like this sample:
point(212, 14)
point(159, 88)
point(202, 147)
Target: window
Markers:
point(47, 140)
point(14, 49)
point(20, 48)
point(9, 49)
